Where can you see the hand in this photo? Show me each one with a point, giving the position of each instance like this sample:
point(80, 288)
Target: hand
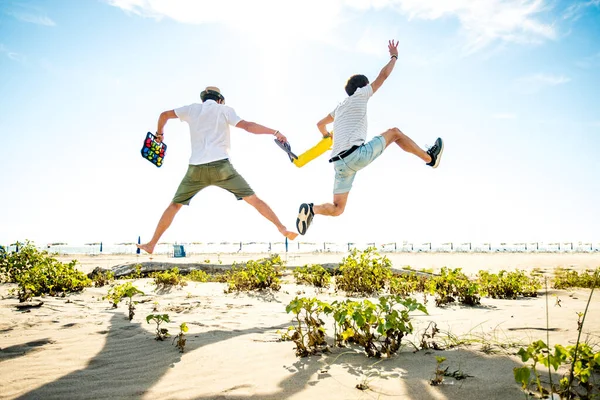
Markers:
point(279, 136)
point(393, 48)
point(328, 135)
point(158, 137)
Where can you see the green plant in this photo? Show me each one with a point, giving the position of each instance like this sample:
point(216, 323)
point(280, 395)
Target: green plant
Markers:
point(13, 264)
point(508, 285)
point(166, 279)
point(364, 273)
point(254, 275)
point(584, 363)
point(49, 276)
point(452, 285)
point(315, 275)
point(407, 284)
point(538, 352)
point(564, 279)
point(135, 274)
point(117, 293)
point(198, 276)
point(161, 333)
point(103, 278)
point(309, 333)
point(180, 338)
point(378, 327)
point(439, 372)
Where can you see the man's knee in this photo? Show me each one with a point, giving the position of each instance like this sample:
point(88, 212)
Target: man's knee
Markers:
point(253, 200)
point(393, 134)
point(339, 210)
point(176, 206)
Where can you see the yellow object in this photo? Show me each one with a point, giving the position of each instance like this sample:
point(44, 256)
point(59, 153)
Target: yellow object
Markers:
point(314, 152)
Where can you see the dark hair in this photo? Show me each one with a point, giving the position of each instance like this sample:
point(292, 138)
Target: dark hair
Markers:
point(355, 82)
point(211, 95)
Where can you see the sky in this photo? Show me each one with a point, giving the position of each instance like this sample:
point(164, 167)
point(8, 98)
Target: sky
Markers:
point(511, 86)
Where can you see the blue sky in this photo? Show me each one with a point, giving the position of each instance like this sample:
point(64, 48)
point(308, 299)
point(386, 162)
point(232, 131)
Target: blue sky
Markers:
point(511, 86)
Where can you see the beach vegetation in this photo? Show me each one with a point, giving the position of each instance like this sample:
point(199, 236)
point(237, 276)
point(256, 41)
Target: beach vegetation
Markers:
point(508, 285)
point(15, 263)
point(167, 279)
point(565, 279)
point(454, 285)
point(308, 332)
point(126, 290)
point(103, 278)
point(49, 276)
point(198, 275)
point(406, 284)
point(180, 339)
point(255, 275)
point(378, 327)
point(135, 274)
point(439, 372)
point(313, 275)
point(363, 273)
point(158, 319)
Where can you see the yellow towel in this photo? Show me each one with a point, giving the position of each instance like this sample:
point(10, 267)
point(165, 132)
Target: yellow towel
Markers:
point(314, 152)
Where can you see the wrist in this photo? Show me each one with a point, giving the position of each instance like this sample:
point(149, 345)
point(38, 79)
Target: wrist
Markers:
point(395, 56)
point(275, 133)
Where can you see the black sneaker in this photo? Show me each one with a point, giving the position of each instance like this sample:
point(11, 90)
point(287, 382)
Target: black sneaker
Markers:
point(435, 152)
point(305, 217)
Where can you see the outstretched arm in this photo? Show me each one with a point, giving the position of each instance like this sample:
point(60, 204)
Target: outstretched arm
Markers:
point(258, 129)
point(389, 67)
point(162, 121)
point(322, 125)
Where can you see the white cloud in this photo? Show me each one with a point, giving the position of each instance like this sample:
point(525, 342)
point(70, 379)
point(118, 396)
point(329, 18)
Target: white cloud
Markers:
point(11, 54)
point(577, 9)
point(504, 116)
point(482, 22)
point(33, 19)
point(539, 81)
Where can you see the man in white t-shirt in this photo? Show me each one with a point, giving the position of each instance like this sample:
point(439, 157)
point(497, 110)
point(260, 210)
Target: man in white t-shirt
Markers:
point(209, 163)
point(350, 153)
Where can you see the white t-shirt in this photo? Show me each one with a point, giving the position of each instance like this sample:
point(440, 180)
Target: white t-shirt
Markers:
point(350, 120)
point(209, 130)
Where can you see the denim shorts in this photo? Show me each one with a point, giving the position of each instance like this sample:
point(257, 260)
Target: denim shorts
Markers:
point(346, 168)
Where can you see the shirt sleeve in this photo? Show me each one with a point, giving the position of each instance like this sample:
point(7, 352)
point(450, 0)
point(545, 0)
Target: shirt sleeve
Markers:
point(333, 113)
point(232, 118)
point(183, 113)
point(367, 90)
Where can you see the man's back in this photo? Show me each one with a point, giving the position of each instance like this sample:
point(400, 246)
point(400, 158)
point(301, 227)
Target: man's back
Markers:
point(209, 130)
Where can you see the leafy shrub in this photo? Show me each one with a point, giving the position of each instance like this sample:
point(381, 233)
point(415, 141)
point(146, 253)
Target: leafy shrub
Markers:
point(165, 279)
point(117, 293)
point(508, 285)
point(103, 278)
point(309, 333)
point(315, 275)
point(407, 284)
point(379, 328)
point(254, 275)
point(567, 279)
point(180, 338)
point(198, 276)
point(364, 273)
point(49, 276)
point(136, 274)
point(452, 285)
point(161, 333)
point(13, 264)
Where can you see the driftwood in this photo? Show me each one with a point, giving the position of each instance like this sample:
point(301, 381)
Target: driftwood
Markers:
point(26, 306)
point(147, 267)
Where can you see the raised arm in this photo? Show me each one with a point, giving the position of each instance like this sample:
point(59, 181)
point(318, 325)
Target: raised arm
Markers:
point(322, 125)
point(389, 67)
point(259, 129)
point(162, 121)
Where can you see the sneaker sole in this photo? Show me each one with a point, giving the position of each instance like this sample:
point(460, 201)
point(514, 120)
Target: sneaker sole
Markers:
point(439, 156)
point(302, 220)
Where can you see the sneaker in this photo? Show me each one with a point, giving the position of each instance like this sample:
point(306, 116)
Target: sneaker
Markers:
point(435, 152)
point(305, 217)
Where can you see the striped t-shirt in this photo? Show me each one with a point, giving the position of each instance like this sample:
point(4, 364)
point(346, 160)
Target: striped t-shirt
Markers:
point(350, 120)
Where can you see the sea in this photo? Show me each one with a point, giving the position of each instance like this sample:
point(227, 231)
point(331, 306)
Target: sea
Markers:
point(320, 247)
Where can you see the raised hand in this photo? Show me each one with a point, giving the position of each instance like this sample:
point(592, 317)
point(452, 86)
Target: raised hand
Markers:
point(393, 48)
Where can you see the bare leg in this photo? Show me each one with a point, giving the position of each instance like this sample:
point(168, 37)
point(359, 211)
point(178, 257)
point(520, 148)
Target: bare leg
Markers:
point(266, 211)
point(163, 224)
point(335, 209)
point(395, 135)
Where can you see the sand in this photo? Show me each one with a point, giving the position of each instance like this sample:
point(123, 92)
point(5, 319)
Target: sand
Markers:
point(78, 347)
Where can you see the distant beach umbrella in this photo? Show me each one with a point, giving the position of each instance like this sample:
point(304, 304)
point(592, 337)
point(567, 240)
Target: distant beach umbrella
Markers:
point(139, 242)
point(100, 247)
point(286, 244)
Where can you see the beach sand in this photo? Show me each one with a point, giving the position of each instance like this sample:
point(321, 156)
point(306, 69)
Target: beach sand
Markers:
point(78, 347)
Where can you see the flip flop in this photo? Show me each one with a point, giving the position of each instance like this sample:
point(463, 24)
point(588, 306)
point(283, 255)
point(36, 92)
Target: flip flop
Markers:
point(288, 149)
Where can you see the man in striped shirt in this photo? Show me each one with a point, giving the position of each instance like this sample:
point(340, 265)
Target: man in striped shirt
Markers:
point(350, 153)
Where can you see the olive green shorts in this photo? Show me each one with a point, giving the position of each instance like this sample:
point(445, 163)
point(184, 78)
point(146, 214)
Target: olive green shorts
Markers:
point(217, 173)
